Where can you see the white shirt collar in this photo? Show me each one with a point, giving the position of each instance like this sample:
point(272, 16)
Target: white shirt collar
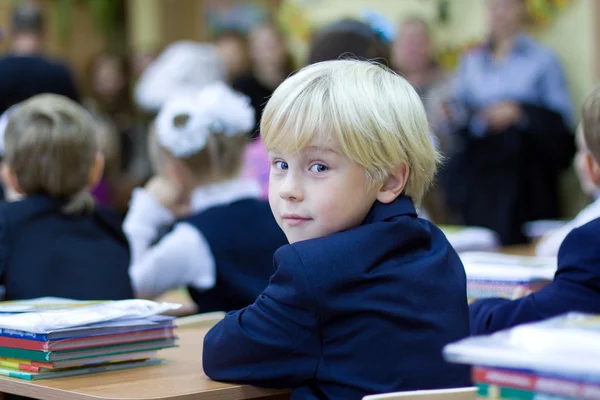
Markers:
point(222, 193)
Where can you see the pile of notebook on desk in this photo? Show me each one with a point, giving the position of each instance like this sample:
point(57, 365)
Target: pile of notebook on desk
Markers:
point(553, 359)
point(503, 275)
point(50, 338)
point(471, 238)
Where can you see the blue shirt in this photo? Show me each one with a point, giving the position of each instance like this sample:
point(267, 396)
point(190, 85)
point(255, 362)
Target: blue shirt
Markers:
point(530, 73)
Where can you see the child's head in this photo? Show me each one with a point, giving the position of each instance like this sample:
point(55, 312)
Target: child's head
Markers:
point(200, 139)
point(342, 135)
point(51, 147)
point(591, 137)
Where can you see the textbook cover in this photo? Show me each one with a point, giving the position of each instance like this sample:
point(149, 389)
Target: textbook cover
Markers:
point(482, 266)
point(79, 371)
point(85, 353)
point(86, 342)
point(39, 366)
point(568, 345)
point(119, 326)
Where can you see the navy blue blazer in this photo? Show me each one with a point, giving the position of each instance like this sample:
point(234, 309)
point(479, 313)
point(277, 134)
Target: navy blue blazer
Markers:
point(358, 312)
point(46, 253)
point(576, 287)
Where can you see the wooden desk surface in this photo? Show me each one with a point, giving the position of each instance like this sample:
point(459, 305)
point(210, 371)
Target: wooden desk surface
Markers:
point(181, 378)
point(519, 250)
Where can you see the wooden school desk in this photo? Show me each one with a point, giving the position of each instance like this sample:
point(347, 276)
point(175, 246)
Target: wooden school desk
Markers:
point(180, 378)
point(519, 250)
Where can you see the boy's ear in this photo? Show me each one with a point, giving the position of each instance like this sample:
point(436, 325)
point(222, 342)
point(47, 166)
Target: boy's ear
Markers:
point(10, 179)
point(96, 170)
point(394, 185)
point(592, 168)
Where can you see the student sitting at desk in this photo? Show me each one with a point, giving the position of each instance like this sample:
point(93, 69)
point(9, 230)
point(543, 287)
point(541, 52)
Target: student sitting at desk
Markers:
point(367, 294)
point(223, 246)
point(576, 284)
point(550, 243)
point(56, 241)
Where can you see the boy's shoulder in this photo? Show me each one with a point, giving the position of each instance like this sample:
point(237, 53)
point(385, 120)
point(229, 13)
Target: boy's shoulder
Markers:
point(589, 232)
point(349, 252)
point(583, 239)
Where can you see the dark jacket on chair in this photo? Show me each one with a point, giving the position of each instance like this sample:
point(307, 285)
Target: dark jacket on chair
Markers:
point(502, 180)
point(358, 312)
point(576, 287)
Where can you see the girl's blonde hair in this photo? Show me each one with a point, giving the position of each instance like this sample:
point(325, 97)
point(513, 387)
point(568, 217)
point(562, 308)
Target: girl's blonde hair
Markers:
point(51, 145)
point(375, 115)
point(221, 158)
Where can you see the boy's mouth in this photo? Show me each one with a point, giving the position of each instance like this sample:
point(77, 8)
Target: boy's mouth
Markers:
point(294, 219)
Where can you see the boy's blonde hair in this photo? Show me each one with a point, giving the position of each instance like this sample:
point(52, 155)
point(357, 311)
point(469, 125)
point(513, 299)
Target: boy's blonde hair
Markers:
point(591, 122)
point(375, 115)
point(51, 145)
point(221, 158)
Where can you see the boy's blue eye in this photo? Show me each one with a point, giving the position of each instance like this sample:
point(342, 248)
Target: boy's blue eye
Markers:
point(318, 168)
point(281, 165)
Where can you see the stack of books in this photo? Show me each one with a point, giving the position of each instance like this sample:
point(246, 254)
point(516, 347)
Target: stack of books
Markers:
point(471, 238)
point(40, 340)
point(506, 276)
point(553, 359)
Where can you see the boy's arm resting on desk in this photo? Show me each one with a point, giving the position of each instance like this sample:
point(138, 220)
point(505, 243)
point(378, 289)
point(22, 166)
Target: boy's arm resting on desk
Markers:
point(181, 257)
point(274, 342)
point(576, 287)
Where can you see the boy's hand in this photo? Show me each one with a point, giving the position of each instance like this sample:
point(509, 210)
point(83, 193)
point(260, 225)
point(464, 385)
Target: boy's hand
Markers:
point(170, 195)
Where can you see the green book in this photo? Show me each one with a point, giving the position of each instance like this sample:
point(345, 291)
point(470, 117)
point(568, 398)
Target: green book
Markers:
point(79, 371)
point(496, 392)
point(34, 355)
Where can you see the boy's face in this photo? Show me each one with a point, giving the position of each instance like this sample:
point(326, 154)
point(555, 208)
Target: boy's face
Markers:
point(318, 191)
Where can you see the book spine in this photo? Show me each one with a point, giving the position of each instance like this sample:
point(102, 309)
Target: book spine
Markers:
point(11, 333)
point(495, 392)
point(536, 383)
point(18, 366)
point(25, 344)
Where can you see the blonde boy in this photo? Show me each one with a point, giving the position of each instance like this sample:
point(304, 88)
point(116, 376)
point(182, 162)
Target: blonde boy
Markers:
point(366, 294)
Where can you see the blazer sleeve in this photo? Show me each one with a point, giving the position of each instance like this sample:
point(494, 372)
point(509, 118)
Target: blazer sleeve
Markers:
point(274, 342)
point(576, 287)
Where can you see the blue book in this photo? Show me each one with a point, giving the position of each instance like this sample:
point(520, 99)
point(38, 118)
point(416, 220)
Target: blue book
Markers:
point(103, 328)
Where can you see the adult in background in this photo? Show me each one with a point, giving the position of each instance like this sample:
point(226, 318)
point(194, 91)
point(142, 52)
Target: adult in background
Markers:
point(271, 63)
point(511, 116)
point(348, 38)
point(412, 57)
point(25, 71)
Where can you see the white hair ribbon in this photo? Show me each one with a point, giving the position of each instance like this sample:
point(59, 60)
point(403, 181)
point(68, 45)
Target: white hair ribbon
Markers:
point(216, 109)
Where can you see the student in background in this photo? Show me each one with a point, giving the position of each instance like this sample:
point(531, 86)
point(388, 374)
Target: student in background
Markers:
point(576, 284)
point(56, 241)
point(25, 70)
point(223, 245)
point(550, 243)
point(367, 294)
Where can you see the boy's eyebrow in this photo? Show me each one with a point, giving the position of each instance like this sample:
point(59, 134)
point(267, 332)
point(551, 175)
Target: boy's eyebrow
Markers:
point(322, 149)
point(317, 149)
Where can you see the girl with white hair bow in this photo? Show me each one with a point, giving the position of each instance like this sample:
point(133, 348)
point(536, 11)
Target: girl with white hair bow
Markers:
point(222, 246)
